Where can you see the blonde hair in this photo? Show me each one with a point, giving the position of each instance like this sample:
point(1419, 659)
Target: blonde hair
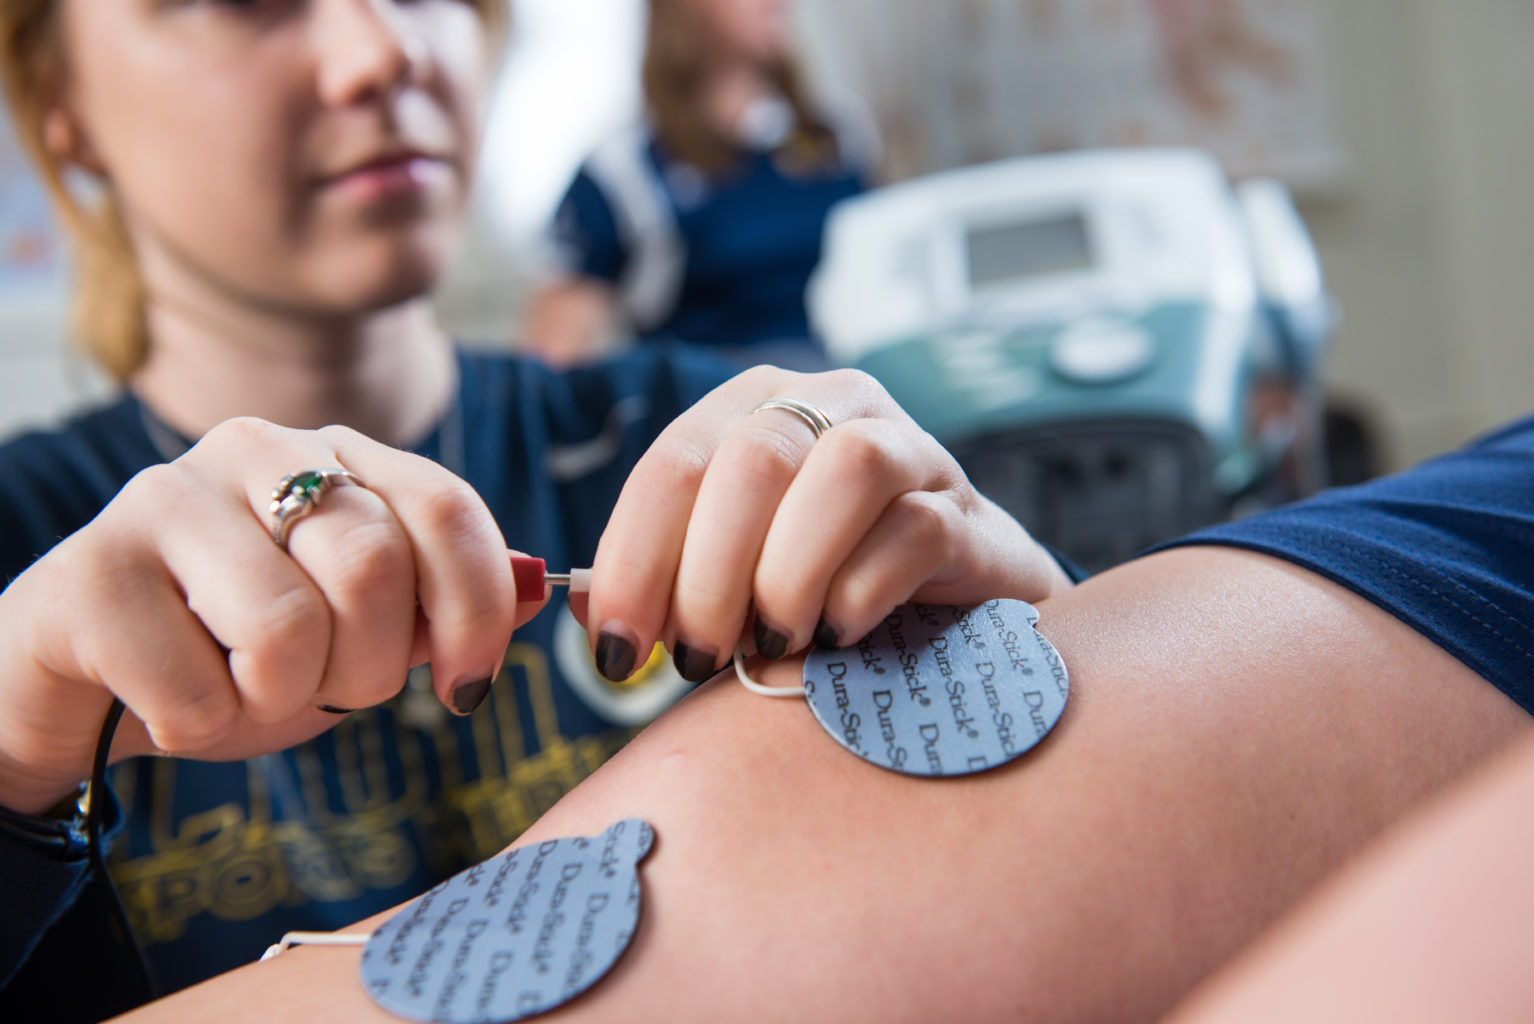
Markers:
point(108, 310)
point(674, 76)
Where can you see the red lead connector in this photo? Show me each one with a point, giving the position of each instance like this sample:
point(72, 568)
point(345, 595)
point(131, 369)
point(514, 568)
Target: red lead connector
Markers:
point(533, 578)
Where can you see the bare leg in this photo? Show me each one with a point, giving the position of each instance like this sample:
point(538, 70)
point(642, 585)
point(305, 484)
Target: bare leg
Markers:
point(1433, 924)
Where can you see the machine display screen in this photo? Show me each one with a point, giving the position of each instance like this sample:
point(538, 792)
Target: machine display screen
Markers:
point(1018, 250)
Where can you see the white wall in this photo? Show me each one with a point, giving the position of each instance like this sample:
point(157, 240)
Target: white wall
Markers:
point(41, 380)
point(1484, 107)
point(1429, 251)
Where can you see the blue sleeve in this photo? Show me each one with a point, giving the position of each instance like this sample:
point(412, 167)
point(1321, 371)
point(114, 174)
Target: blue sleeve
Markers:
point(47, 872)
point(45, 868)
point(1073, 572)
point(1446, 547)
point(586, 237)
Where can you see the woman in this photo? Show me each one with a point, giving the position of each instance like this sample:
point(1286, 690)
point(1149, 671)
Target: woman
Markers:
point(281, 183)
point(704, 223)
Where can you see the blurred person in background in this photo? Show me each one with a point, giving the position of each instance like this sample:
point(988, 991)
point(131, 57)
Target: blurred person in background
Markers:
point(704, 222)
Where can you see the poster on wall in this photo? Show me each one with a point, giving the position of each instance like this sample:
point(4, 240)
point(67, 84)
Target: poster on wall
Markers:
point(965, 81)
point(31, 251)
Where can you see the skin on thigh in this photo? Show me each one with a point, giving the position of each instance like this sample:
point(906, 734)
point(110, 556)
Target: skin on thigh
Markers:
point(1432, 924)
point(1237, 727)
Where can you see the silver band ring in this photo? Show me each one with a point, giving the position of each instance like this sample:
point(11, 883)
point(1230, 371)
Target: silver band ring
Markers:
point(817, 421)
point(299, 494)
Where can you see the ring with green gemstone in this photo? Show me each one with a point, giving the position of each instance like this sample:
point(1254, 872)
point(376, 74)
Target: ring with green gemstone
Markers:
point(299, 494)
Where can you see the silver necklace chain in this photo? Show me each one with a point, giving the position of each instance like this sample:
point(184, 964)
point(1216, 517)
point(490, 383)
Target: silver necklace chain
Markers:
point(168, 444)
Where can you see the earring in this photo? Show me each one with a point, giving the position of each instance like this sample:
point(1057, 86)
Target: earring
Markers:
point(63, 139)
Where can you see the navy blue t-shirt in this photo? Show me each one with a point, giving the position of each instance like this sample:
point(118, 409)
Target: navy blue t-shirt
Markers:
point(718, 261)
point(215, 861)
point(1446, 547)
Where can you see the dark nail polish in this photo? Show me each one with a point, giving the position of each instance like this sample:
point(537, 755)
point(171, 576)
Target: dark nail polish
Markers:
point(769, 642)
point(468, 696)
point(826, 636)
point(693, 664)
point(331, 709)
point(615, 657)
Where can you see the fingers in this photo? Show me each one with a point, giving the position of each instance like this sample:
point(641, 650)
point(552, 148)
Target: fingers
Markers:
point(783, 548)
point(868, 519)
point(221, 642)
point(410, 564)
point(637, 557)
point(577, 604)
point(431, 540)
point(151, 616)
point(188, 703)
point(760, 457)
point(740, 515)
point(733, 510)
point(236, 594)
point(463, 579)
point(362, 577)
point(92, 607)
point(154, 601)
point(906, 547)
point(936, 540)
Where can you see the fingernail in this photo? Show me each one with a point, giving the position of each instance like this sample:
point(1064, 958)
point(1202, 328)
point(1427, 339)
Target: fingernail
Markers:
point(615, 656)
point(769, 642)
point(468, 696)
point(826, 636)
point(331, 709)
point(693, 664)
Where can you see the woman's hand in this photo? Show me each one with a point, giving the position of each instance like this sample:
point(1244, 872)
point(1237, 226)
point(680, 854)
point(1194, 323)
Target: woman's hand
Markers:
point(223, 645)
point(732, 511)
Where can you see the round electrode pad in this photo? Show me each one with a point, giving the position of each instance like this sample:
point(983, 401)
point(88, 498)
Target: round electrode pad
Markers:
point(937, 690)
point(512, 937)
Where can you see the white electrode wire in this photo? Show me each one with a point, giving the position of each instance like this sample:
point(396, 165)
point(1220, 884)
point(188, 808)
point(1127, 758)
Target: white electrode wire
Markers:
point(578, 580)
point(316, 939)
point(758, 688)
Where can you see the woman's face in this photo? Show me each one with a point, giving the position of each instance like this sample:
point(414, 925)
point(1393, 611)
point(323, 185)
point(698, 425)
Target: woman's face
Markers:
point(312, 155)
point(753, 30)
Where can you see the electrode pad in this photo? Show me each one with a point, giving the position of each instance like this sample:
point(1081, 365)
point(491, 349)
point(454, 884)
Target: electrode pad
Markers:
point(515, 936)
point(938, 690)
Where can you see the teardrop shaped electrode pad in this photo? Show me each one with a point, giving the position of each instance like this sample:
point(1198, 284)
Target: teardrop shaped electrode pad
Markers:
point(938, 690)
point(515, 936)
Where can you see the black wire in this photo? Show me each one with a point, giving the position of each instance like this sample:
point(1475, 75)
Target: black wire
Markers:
point(96, 797)
point(98, 781)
